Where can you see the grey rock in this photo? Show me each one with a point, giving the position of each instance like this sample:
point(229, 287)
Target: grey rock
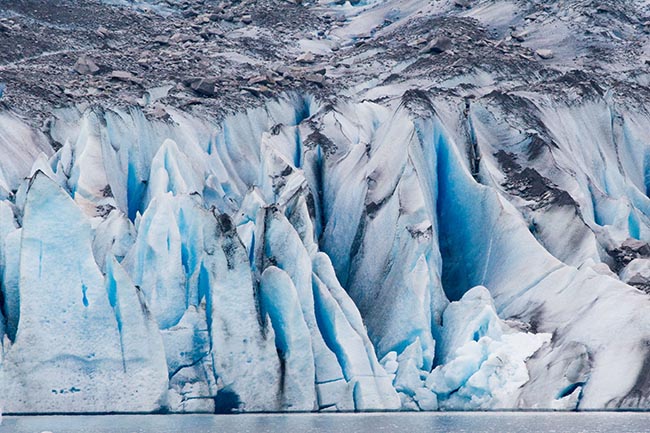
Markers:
point(102, 32)
point(315, 78)
point(545, 53)
point(319, 70)
point(307, 57)
point(161, 40)
point(603, 8)
point(519, 35)
point(637, 247)
point(124, 76)
point(261, 79)
point(203, 86)
point(436, 46)
point(182, 37)
point(86, 66)
point(159, 112)
point(257, 90)
point(418, 41)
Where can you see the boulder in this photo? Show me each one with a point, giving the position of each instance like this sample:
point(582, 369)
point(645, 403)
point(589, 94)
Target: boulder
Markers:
point(519, 35)
point(202, 86)
point(545, 53)
point(307, 57)
point(315, 78)
point(86, 66)
point(124, 76)
point(437, 45)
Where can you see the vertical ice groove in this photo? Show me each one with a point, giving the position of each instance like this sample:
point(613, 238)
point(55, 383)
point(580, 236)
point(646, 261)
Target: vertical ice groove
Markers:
point(292, 338)
point(10, 280)
point(111, 289)
point(8, 315)
point(285, 249)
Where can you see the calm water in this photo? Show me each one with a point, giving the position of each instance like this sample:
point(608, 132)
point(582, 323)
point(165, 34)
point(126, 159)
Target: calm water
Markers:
point(346, 423)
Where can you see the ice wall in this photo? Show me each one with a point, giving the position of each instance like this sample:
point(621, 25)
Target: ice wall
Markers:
point(302, 256)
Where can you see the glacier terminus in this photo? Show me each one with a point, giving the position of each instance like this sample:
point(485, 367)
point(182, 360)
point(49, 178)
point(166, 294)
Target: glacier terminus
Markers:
point(296, 206)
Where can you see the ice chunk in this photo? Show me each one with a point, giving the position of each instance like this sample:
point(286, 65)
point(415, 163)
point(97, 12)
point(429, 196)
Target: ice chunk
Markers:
point(637, 274)
point(19, 146)
point(143, 357)
point(156, 264)
point(284, 247)
point(483, 363)
point(292, 339)
point(324, 271)
point(70, 349)
point(351, 352)
point(572, 363)
point(409, 378)
point(172, 171)
point(243, 352)
point(114, 236)
point(193, 386)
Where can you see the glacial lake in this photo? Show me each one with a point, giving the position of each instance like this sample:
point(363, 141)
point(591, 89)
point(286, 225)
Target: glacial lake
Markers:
point(481, 422)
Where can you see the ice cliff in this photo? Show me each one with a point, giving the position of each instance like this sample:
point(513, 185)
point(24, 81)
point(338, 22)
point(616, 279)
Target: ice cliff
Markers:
point(403, 243)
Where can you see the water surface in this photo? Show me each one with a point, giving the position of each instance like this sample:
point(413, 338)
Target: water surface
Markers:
point(482, 422)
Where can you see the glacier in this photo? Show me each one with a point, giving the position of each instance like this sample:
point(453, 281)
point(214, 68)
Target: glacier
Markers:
point(408, 243)
point(347, 260)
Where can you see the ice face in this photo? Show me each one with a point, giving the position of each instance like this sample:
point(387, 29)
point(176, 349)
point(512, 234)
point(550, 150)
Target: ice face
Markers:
point(303, 257)
point(216, 305)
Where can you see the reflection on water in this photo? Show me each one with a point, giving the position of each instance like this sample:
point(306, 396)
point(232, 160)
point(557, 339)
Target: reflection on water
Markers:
point(495, 422)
